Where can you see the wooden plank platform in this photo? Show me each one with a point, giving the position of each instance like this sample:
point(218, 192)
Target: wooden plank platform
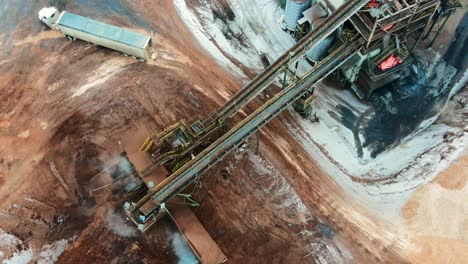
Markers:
point(202, 244)
point(140, 160)
point(155, 177)
point(148, 207)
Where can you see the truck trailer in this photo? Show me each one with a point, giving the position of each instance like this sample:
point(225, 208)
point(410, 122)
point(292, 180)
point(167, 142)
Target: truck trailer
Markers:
point(77, 27)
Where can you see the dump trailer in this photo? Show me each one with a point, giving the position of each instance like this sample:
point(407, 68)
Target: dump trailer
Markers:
point(77, 27)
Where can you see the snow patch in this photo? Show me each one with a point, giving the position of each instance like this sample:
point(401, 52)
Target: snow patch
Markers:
point(460, 84)
point(198, 30)
point(324, 252)
point(101, 75)
point(399, 172)
point(8, 240)
point(21, 257)
point(278, 190)
point(24, 135)
point(258, 26)
point(9, 244)
point(51, 252)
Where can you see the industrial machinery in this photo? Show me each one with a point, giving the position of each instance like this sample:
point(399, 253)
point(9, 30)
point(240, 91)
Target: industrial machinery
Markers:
point(388, 27)
point(443, 13)
point(364, 42)
point(293, 12)
point(109, 36)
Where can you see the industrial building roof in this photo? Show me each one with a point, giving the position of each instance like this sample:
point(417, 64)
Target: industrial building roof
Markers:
point(97, 28)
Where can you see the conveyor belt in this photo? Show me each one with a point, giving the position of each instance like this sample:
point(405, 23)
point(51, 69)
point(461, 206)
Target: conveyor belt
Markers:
point(216, 151)
point(226, 143)
point(248, 126)
point(257, 85)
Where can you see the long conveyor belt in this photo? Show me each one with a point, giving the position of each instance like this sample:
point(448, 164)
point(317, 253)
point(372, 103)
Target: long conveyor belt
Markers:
point(216, 151)
point(289, 58)
point(226, 143)
point(215, 121)
point(253, 122)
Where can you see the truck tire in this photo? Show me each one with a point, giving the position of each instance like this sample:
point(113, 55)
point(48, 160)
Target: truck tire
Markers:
point(70, 38)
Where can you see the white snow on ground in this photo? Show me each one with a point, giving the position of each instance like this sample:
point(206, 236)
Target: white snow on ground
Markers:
point(252, 24)
point(323, 252)
point(282, 195)
point(101, 75)
point(51, 252)
point(9, 245)
point(8, 240)
point(204, 39)
point(10, 253)
point(20, 257)
point(279, 191)
point(415, 162)
point(460, 84)
point(409, 166)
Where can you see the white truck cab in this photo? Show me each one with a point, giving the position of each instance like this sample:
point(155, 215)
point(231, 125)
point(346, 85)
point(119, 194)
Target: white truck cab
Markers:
point(49, 15)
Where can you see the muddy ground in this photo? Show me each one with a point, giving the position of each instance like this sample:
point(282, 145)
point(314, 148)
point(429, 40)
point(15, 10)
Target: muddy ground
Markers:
point(65, 106)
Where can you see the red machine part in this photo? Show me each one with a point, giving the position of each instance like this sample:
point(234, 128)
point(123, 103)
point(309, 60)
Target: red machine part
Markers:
point(373, 3)
point(387, 28)
point(390, 62)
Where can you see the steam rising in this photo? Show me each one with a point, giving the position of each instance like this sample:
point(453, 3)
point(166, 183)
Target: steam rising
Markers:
point(182, 250)
point(124, 165)
point(118, 225)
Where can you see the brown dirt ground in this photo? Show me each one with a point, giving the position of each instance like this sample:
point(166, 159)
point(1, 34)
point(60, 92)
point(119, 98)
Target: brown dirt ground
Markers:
point(52, 143)
point(64, 108)
point(436, 217)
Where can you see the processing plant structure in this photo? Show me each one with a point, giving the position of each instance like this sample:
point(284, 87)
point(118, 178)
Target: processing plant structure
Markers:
point(363, 43)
